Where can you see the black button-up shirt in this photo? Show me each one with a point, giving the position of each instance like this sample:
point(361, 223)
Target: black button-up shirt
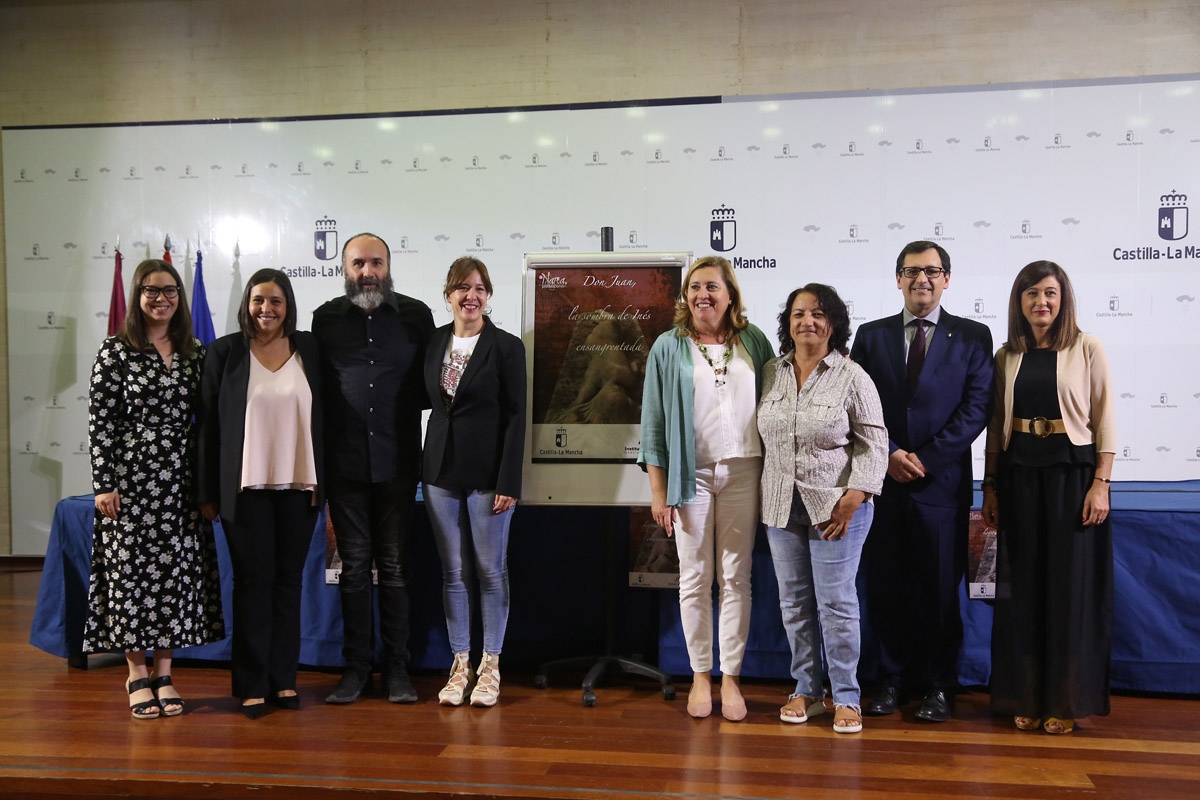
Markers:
point(373, 386)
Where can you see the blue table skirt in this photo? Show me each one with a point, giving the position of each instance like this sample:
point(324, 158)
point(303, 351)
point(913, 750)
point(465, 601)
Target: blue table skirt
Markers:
point(1156, 625)
point(555, 566)
point(555, 569)
point(62, 597)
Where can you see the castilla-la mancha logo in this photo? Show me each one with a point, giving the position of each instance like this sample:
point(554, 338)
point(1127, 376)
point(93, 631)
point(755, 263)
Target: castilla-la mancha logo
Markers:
point(1172, 217)
point(325, 245)
point(722, 231)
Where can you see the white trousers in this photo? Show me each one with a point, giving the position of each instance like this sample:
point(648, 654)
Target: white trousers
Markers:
point(715, 537)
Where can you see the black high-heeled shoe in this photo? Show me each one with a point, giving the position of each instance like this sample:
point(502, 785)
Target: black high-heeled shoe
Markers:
point(254, 710)
point(147, 709)
point(290, 702)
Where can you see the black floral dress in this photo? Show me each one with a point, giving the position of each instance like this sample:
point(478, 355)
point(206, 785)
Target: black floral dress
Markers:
point(155, 582)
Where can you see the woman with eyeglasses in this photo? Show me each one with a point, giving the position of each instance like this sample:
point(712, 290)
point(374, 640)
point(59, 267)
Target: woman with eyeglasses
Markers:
point(154, 581)
point(1049, 460)
point(259, 468)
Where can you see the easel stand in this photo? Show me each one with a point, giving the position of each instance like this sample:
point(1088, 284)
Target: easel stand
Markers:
point(598, 666)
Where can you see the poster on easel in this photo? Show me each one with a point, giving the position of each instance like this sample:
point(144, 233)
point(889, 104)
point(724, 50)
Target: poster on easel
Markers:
point(653, 556)
point(595, 317)
point(981, 558)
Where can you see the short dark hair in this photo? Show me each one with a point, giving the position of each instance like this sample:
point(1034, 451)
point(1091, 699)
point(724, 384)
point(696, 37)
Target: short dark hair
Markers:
point(912, 248)
point(366, 234)
point(280, 279)
point(835, 311)
point(179, 329)
point(461, 269)
point(1063, 331)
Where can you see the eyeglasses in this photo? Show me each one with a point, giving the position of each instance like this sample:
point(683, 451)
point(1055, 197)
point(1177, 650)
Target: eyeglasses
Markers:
point(933, 273)
point(152, 292)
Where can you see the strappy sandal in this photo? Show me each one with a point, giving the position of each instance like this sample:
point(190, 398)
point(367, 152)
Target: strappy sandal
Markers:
point(1056, 726)
point(487, 683)
point(147, 709)
point(461, 678)
point(846, 719)
point(174, 703)
point(795, 713)
point(1027, 723)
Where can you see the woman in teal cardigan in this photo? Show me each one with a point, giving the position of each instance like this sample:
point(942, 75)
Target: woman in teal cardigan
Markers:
point(701, 450)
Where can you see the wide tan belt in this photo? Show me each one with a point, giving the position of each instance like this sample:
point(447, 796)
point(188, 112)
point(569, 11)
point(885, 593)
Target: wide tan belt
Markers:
point(1039, 426)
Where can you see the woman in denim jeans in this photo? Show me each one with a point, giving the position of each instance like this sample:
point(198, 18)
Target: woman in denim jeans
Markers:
point(825, 457)
point(475, 377)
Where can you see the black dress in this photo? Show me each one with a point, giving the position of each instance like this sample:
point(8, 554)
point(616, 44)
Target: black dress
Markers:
point(1052, 631)
point(155, 582)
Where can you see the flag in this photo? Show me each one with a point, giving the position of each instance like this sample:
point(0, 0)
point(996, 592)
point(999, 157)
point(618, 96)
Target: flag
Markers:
point(167, 250)
point(116, 304)
point(202, 324)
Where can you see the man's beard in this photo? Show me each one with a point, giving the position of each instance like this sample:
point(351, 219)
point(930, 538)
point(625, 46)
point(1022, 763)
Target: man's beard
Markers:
point(370, 296)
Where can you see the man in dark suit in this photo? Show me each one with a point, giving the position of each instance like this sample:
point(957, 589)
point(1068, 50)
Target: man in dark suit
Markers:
point(933, 371)
point(372, 352)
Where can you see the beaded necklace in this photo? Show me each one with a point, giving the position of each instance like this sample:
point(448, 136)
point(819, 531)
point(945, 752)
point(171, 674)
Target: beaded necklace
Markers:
point(721, 371)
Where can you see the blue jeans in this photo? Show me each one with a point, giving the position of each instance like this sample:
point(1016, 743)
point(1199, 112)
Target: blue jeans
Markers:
point(471, 540)
point(816, 580)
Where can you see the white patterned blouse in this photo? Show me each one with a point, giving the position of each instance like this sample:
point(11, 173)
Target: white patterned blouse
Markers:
point(822, 440)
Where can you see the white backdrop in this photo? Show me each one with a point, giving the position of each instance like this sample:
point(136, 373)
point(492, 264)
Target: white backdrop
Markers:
point(811, 188)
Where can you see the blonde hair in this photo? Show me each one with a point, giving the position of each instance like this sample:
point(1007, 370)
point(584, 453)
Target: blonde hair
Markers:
point(735, 316)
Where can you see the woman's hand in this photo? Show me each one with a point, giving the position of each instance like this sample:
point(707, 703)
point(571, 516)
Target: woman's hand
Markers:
point(503, 503)
point(990, 509)
point(109, 504)
point(1095, 504)
point(843, 511)
point(210, 511)
point(664, 514)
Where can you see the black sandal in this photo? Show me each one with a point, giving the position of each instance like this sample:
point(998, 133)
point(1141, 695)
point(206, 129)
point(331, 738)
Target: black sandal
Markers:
point(163, 702)
point(142, 710)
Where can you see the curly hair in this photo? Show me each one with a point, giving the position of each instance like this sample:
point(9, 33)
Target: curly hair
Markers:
point(835, 312)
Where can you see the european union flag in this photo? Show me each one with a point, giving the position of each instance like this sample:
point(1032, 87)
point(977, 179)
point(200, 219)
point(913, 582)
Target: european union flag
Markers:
point(202, 324)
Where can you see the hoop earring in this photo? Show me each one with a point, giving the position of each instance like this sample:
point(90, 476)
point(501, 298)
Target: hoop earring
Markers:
point(487, 310)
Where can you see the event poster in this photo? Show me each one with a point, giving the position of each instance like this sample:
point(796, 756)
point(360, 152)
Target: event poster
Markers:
point(653, 557)
point(333, 559)
point(981, 559)
point(593, 328)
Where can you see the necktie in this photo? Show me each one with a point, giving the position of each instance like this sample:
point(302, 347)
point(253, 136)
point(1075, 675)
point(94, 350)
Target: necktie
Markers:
point(916, 355)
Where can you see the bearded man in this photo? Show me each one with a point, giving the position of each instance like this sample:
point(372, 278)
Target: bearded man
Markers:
point(372, 344)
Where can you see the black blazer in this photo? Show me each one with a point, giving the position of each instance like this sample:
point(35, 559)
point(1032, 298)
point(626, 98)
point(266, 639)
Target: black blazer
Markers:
point(478, 443)
point(221, 417)
point(948, 410)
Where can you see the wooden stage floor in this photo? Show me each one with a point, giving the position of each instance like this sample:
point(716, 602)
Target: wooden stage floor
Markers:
point(67, 732)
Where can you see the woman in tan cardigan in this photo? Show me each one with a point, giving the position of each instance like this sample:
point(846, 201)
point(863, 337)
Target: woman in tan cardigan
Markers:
point(1050, 448)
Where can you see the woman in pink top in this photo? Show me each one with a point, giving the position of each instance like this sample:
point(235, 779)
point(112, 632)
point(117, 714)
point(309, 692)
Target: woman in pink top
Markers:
point(260, 471)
